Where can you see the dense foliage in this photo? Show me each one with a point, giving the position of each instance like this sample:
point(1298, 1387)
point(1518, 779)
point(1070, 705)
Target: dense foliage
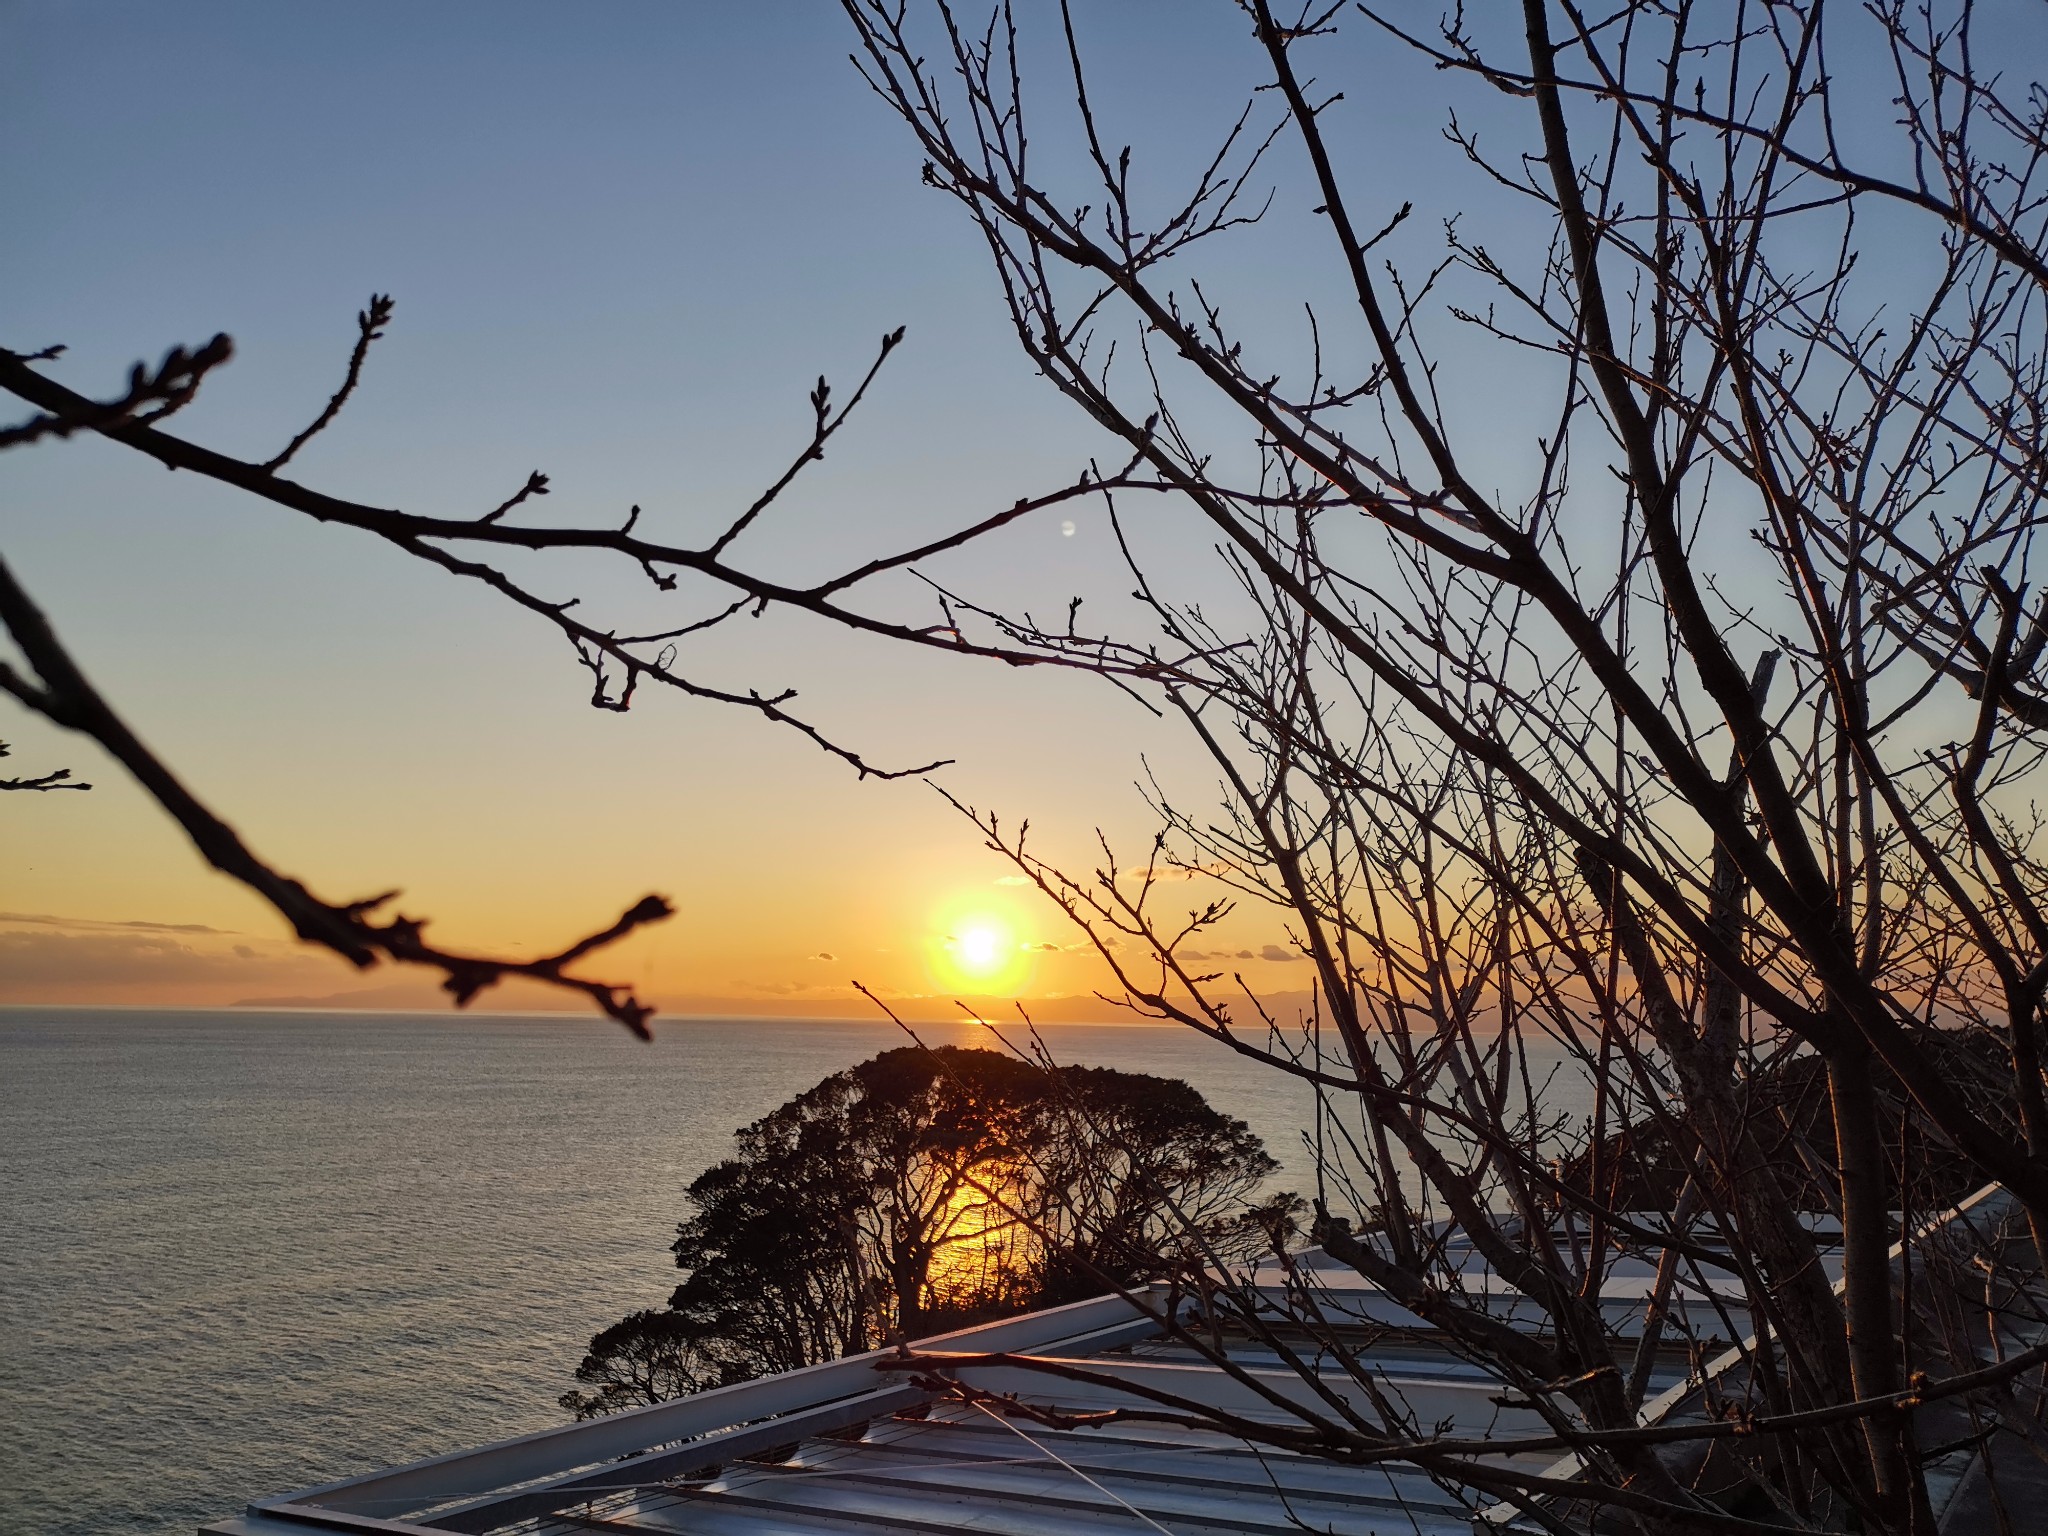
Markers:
point(924, 1190)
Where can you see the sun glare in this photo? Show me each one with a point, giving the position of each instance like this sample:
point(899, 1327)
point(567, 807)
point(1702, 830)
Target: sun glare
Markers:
point(975, 946)
point(982, 948)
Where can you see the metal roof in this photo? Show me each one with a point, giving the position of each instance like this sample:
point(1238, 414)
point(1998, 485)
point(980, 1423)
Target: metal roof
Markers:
point(858, 1445)
point(851, 1446)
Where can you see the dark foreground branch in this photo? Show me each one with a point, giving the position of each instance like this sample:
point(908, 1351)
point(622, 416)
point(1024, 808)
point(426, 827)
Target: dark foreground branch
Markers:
point(61, 693)
point(150, 397)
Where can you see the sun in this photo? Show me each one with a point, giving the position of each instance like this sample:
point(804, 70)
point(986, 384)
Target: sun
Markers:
point(978, 948)
point(981, 949)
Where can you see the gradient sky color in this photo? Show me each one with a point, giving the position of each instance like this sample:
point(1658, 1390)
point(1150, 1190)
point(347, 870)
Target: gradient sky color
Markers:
point(623, 239)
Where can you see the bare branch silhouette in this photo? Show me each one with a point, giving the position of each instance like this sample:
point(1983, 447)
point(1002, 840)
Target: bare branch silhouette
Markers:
point(150, 397)
point(56, 778)
point(60, 692)
point(370, 323)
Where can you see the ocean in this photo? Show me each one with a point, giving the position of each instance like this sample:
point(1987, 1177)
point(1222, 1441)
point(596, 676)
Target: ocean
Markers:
point(246, 1252)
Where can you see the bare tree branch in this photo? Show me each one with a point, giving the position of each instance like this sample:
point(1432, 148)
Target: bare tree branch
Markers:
point(60, 692)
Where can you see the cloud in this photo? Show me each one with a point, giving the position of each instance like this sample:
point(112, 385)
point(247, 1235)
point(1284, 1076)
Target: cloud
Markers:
point(794, 990)
point(1215, 869)
point(98, 925)
point(126, 958)
point(824, 954)
point(1011, 880)
point(1275, 952)
point(1050, 949)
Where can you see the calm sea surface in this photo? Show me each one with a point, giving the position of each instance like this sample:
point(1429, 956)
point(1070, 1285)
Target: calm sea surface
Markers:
point(242, 1253)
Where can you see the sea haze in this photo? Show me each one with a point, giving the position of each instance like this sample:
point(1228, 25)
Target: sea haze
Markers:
point(247, 1252)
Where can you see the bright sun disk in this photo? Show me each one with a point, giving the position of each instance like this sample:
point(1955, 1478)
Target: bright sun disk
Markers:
point(975, 945)
point(981, 948)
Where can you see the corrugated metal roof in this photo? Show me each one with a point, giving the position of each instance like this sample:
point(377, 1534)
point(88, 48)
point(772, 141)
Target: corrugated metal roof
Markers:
point(876, 1443)
point(968, 1470)
point(851, 1446)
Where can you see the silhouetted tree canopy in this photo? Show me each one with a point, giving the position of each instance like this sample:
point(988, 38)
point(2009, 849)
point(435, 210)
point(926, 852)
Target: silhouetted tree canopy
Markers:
point(645, 1357)
point(924, 1190)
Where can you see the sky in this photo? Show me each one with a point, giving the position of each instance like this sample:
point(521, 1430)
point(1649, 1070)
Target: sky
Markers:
point(623, 241)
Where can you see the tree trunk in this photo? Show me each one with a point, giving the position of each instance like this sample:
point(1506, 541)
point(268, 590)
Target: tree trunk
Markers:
point(1901, 1490)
